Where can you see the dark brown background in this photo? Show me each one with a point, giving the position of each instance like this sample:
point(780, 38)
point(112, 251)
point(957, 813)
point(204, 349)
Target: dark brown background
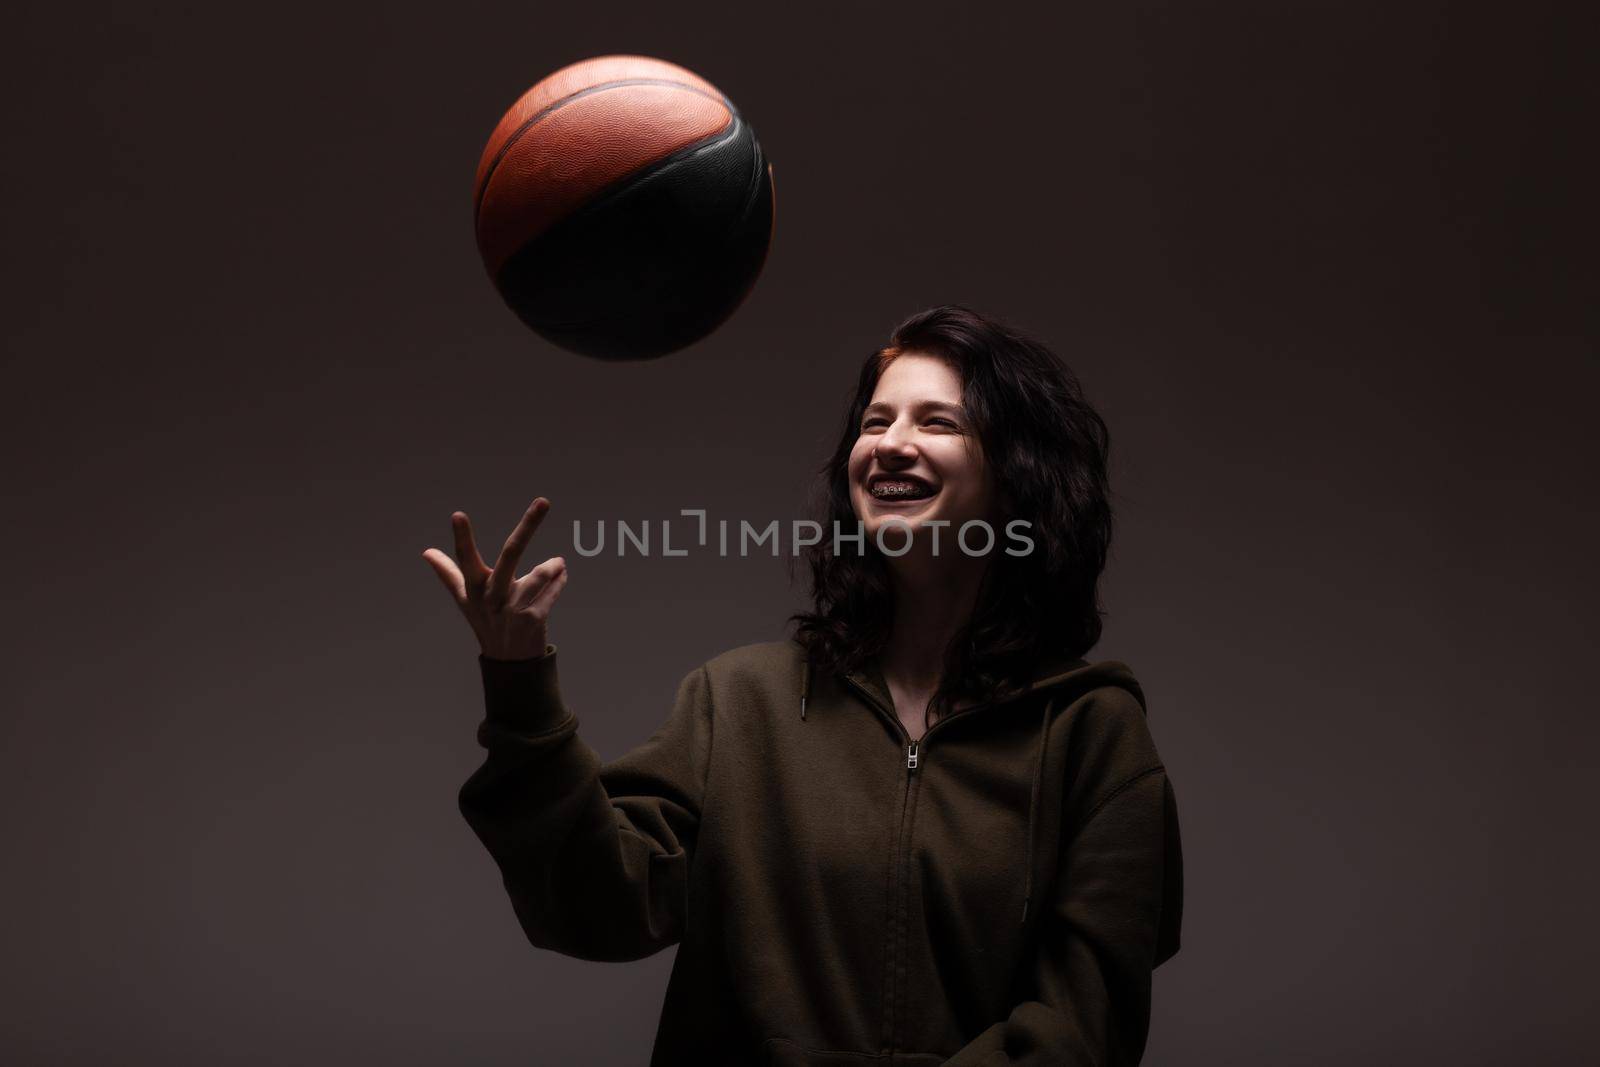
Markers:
point(1327, 268)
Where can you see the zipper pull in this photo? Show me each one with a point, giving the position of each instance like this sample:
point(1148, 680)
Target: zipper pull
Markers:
point(911, 757)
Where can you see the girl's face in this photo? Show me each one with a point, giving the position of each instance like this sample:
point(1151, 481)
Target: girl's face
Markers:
point(917, 458)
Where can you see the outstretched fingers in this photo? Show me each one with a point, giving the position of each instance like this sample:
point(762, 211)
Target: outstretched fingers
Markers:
point(505, 568)
point(473, 570)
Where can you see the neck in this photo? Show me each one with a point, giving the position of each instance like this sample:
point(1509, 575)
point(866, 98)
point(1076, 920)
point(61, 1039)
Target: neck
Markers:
point(933, 600)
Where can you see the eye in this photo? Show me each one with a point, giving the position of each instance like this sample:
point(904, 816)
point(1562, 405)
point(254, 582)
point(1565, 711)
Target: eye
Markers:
point(874, 421)
point(944, 422)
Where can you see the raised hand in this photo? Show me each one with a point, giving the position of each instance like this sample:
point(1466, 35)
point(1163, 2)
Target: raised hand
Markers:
point(510, 616)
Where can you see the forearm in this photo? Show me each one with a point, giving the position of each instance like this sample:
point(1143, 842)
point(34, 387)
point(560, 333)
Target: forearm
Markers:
point(594, 858)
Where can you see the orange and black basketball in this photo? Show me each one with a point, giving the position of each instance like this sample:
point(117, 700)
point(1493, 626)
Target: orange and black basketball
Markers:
point(623, 207)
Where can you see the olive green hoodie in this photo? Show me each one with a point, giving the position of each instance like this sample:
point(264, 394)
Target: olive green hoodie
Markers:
point(996, 892)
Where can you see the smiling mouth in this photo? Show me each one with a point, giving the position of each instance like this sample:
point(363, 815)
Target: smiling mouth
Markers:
point(900, 489)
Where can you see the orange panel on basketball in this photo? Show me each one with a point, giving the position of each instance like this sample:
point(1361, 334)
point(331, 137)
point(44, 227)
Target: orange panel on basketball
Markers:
point(579, 149)
point(575, 78)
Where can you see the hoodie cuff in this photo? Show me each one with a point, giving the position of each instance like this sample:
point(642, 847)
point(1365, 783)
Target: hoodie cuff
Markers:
point(523, 694)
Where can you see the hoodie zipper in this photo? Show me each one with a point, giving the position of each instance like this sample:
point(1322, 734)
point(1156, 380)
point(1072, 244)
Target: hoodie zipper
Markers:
point(895, 956)
point(896, 935)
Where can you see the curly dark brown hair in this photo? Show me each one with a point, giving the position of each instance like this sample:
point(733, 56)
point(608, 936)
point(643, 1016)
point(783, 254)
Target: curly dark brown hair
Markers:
point(1047, 448)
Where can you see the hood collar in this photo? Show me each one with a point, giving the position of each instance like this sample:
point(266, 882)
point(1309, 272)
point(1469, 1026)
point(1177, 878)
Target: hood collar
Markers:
point(1058, 672)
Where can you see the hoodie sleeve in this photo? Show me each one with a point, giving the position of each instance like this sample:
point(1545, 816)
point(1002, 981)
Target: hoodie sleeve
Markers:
point(1113, 916)
point(594, 857)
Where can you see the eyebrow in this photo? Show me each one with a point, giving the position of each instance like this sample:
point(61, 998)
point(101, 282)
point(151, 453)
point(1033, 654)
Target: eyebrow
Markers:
point(922, 405)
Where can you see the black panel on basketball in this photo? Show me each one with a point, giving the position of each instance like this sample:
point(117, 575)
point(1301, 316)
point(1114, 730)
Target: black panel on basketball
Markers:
point(654, 264)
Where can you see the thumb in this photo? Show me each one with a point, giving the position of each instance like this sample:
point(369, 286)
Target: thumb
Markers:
point(448, 573)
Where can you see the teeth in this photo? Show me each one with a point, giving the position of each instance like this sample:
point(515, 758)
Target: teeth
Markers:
point(893, 489)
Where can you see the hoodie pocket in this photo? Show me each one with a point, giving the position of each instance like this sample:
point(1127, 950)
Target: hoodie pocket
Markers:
point(781, 1052)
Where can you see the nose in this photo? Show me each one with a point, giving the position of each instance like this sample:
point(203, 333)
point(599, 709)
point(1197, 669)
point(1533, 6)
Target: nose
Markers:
point(896, 446)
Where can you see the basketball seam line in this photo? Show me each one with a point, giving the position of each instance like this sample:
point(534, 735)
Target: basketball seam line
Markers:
point(735, 128)
point(483, 187)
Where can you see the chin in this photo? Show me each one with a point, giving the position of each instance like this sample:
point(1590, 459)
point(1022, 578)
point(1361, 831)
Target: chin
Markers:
point(877, 520)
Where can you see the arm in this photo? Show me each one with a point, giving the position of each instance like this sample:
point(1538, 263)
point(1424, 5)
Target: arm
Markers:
point(1114, 916)
point(595, 858)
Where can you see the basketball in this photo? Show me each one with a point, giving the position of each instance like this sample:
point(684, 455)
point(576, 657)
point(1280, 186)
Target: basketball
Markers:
point(623, 207)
